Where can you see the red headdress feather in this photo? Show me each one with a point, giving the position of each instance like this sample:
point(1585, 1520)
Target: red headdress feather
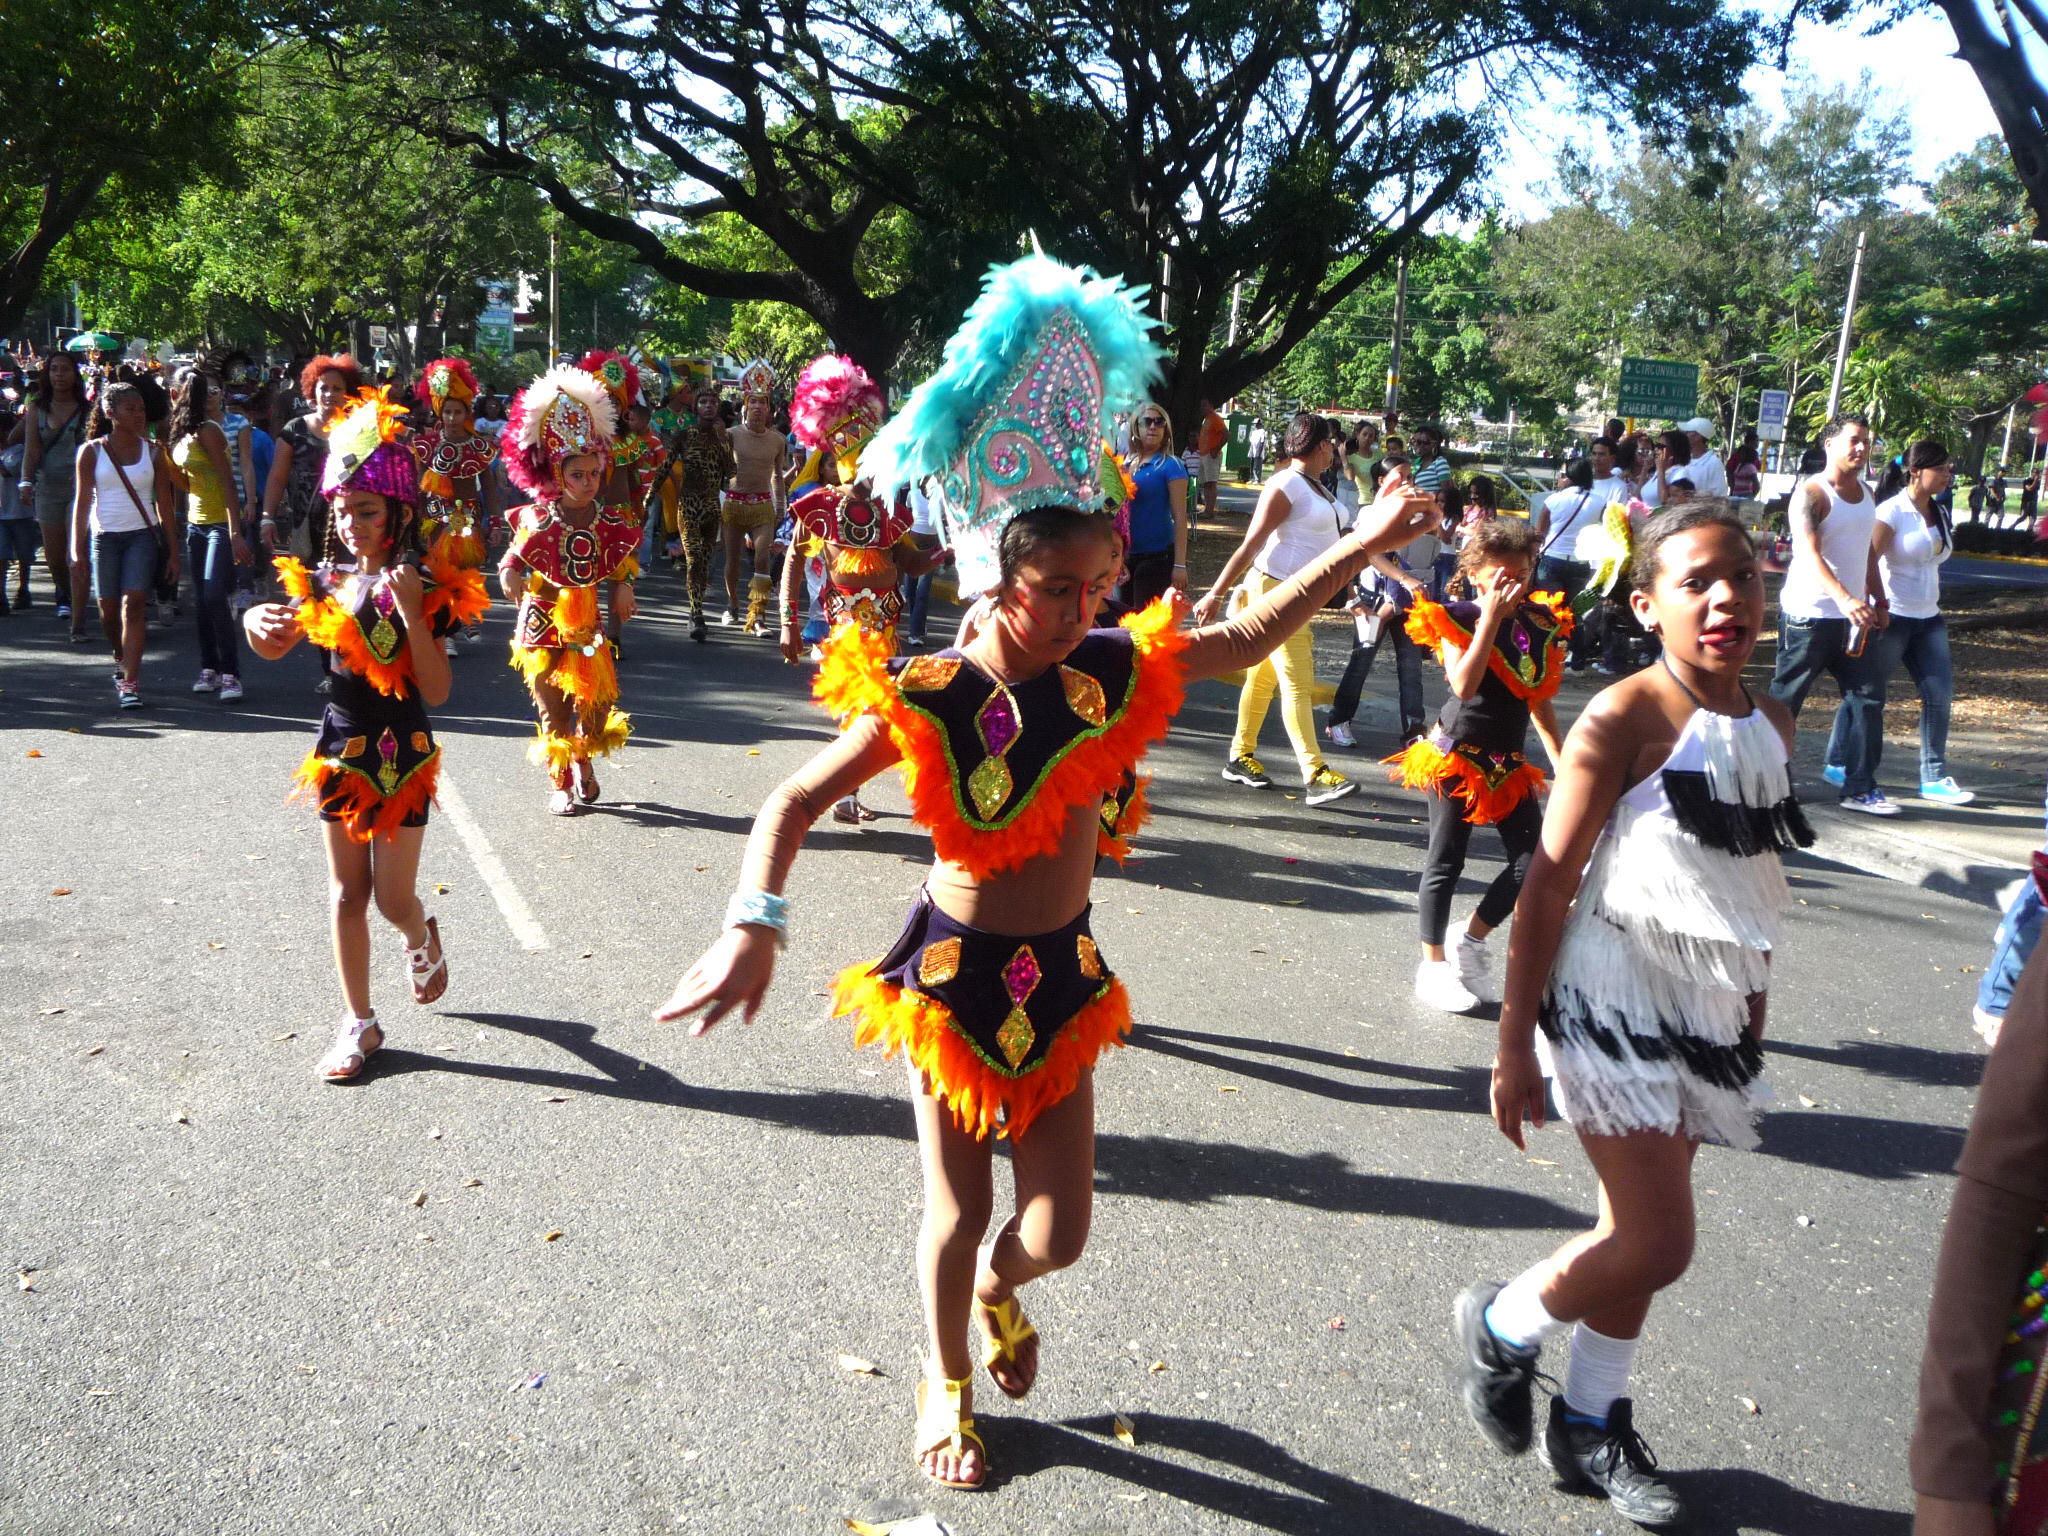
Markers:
point(616, 371)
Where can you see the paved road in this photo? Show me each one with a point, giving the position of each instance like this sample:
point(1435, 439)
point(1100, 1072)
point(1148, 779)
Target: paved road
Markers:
point(242, 1321)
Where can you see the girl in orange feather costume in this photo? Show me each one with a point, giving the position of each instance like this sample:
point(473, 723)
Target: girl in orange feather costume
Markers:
point(372, 772)
point(996, 991)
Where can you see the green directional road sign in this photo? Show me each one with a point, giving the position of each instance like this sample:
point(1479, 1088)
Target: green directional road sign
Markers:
point(1658, 390)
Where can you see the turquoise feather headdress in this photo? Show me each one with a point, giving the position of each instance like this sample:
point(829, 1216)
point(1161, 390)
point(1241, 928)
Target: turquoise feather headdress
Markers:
point(1017, 413)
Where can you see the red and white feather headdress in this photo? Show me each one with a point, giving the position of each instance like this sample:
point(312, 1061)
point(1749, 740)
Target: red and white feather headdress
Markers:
point(563, 413)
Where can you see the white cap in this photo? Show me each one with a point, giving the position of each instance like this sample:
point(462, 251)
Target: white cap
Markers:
point(1699, 426)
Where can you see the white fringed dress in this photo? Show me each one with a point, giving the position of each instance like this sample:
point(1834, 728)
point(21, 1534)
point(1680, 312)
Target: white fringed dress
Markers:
point(1645, 1018)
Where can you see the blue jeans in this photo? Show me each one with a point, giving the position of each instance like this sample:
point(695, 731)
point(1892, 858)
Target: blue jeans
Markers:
point(1554, 574)
point(1806, 649)
point(1407, 672)
point(2011, 946)
point(210, 558)
point(917, 600)
point(123, 562)
point(1922, 645)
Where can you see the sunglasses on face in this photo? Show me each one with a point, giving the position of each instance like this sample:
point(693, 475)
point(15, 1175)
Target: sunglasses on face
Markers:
point(1151, 421)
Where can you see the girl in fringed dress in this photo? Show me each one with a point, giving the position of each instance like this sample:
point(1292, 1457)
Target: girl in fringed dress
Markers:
point(1011, 747)
point(383, 614)
point(1643, 1002)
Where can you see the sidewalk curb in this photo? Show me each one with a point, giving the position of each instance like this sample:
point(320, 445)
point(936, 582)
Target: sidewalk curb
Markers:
point(1911, 857)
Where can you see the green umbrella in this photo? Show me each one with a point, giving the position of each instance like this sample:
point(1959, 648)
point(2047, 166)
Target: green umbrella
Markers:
point(93, 341)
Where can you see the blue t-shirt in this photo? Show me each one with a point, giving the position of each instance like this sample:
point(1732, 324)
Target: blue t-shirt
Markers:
point(1152, 507)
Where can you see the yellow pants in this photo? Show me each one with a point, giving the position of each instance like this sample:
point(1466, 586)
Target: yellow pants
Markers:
point(1291, 670)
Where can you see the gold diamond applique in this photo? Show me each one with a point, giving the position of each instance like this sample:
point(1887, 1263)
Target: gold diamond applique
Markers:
point(1084, 695)
point(355, 746)
point(990, 785)
point(926, 673)
point(384, 640)
point(420, 743)
point(940, 963)
point(1016, 1036)
point(1089, 956)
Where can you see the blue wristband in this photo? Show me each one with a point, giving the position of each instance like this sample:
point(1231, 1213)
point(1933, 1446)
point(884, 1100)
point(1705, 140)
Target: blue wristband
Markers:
point(759, 909)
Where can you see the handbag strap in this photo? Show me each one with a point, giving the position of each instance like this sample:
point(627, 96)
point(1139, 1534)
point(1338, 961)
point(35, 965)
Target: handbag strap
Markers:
point(140, 505)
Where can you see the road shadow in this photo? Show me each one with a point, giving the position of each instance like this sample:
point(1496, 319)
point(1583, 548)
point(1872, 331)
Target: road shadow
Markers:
point(1146, 1167)
point(1460, 1090)
point(1309, 1502)
point(1905, 1063)
point(1735, 1501)
point(1188, 1172)
point(1860, 1144)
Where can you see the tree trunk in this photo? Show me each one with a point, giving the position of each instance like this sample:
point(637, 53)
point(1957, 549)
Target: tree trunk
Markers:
point(21, 274)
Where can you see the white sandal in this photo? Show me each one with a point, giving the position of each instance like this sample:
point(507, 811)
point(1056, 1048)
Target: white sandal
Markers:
point(427, 967)
point(348, 1055)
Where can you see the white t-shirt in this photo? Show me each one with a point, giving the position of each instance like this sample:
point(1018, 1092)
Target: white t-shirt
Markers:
point(1845, 546)
point(921, 520)
point(114, 510)
point(1572, 510)
point(1912, 566)
point(1309, 530)
point(1708, 475)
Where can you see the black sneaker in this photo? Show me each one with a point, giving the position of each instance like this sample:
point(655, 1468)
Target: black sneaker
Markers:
point(1495, 1381)
point(697, 625)
point(1246, 770)
point(1587, 1458)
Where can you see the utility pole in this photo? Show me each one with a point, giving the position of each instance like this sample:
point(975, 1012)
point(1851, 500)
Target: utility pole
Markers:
point(1848, 310)
point(554, 306)
point(1165, 282)
point(1400, 327)
point(1236, 294)
point(2005, 447)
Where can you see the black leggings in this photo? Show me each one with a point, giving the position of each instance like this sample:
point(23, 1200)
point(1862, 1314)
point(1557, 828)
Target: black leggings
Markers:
point(1449, 835)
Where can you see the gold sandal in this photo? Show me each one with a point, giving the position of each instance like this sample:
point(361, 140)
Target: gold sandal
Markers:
point(1003, 1328)
point(943, 1425)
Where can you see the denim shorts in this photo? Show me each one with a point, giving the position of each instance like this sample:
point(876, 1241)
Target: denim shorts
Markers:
point(20, 538)
point(123, 562)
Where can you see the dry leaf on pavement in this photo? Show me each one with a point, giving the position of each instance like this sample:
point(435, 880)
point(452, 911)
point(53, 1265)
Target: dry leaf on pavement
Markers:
point(22, 1281)
point(62, 890)
point(1749, 1405)
point(182, 1118)
point(46, 1012)
point(95, 1050)
point(1126, 1431)
point(419, 1199)
point(550, 1235)
point(858, 1366)
point(1156, 1367)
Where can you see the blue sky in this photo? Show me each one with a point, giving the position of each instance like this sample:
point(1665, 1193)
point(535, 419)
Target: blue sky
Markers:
point(1911, 66)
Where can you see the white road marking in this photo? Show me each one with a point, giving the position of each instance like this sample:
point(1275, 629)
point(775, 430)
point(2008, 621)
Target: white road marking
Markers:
point(518, 916)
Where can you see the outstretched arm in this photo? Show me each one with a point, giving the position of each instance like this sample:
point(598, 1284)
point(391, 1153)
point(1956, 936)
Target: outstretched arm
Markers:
point(735, 971)
point(1399, 514)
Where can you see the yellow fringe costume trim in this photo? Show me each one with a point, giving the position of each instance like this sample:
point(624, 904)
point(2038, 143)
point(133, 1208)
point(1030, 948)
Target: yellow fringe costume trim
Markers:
point(592, 681)
point(627, 569)
point(1431, 626)
point(861, 562)
point(854, 679)
point(981, 1099)
point(364, 810)
point(1425, 765)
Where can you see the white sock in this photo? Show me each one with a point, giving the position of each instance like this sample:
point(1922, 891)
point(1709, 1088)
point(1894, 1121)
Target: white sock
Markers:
point(1599, 1372)
point(1518, 1317)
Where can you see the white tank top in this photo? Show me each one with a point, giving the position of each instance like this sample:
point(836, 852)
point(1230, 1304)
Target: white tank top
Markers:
point(1309, 530)
point(1844, 544)
point(113, 509)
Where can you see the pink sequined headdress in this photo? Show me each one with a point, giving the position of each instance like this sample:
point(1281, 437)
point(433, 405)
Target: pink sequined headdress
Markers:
point(835, 410)
point(563, 413)
point(367, 450)
point(1017, 413)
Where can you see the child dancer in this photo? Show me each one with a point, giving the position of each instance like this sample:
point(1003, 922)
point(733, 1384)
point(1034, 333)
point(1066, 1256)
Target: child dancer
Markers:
point(568, 544)
point(1649, 994)
point(997, 992)
point(636, 457)
point(863, 538)
point(457, 490)
point(373, 768)
point(1504, 658)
